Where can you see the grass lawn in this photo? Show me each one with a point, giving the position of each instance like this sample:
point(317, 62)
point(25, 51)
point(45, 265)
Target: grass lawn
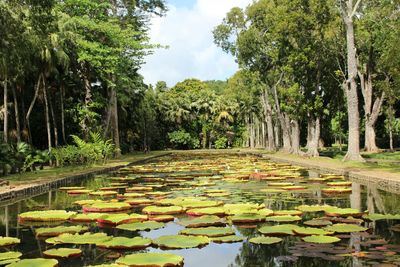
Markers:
point(54, 173)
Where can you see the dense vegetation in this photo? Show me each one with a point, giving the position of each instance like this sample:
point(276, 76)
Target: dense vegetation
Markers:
point(312, 73)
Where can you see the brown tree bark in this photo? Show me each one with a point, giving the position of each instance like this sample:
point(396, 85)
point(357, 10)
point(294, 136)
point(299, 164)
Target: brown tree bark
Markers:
point(54, 119)
point(353, 152)
point(16, 111)
point(5, 107)
point(62, 96)
point(35, 96)
point(85, 122)
point(47, 116)
point(114, 121)
point(295, 137)
point(268, 120)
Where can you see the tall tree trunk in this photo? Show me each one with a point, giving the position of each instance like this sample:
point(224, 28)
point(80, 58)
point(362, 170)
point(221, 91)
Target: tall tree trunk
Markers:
point(314, 122)
point(26, 127)
point(277, 134)
point(28, 114)
point(251, 125)
point(268, 120)
point(353, 152)
point(371, 110)
point(62, 96)
point(295, 137)
point(286, 132)
point(114, 121)
point(47, 115)
point(54, 119)
point(85, 122)
point(391, 139)
point(16, 111)
point(310, 130)
point(5, 107)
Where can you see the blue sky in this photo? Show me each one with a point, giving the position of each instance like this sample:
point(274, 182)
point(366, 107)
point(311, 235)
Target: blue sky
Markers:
point(187, 30)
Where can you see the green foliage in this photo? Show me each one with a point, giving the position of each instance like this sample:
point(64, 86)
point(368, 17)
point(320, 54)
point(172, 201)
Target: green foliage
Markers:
point(221, 142)
point(183, 140)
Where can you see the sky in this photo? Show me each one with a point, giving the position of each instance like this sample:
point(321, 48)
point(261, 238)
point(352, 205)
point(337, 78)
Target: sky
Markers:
point(187, 31)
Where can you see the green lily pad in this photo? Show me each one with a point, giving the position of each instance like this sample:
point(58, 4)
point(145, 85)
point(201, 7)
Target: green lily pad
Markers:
point(125, 243)
point(151, 260)
point(133, 195)
point(345, 228)
point(219, 211)
point(312, 208)
point(305, 231)
point(107, 207)
point(86, 202)
point(67, 188)
point(169, 210)
point(62, 253)
point(181, 241)
point(283, 218)
point(139, 201)
point(280, 184)
point(120, 218)
point(39, 262)
point(46, 215)
point(272, 190)
point(294, 187)
point(377, 217)
point(79, 192)
point(240, 208)
point(55, 231)
point(202, 221)
point(228, 239)
point(336, 190)
point(343, 212)
point(321, 239)
point(208, 231)
point(139, 189)
point(317, 223)
point(79, 239)
point(10, 255)
point(288, 212)
point(161, 218)
point(247, 218)
point(339, 183)
point(103, 193)
point(265, 240)
point(141, 226)
point(8, 241)
point(282, 229)
point(87, 217)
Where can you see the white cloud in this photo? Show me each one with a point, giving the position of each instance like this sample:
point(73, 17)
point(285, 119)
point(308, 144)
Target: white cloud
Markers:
point(191, 53)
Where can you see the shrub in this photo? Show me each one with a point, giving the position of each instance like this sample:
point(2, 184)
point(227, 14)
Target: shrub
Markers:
point(221, 142)
point(183, 140)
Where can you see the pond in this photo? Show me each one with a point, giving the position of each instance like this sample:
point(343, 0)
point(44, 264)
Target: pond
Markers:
point(212, 210)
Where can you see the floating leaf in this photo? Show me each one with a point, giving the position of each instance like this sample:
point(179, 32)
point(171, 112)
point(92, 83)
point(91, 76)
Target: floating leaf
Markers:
point(219, 211)
point(39, 262)
point(272, 190)
point(151, 260)
point(8, 241)
point(155, 210)
point(339, 183)
point(264, 240)
point(208, 231)
point(62, 253)
point(46, 215)
point(107, 207)
point(288, 212)
point(103, 193)
point(115, 219)
point(139, 201)
point(344, 212)
point(280, 184)
point(161, 218)
point(87, 217)
point(377, 217)
point(203, 221)
point(79, 192)
point(55, 231)
point(125, 243)
point(283, 218)
point(133, 195)
point(336, 190)
point(294, 187)
point(141, 226)
point(247, 218)
point(79, 239)
point(181, 241)
point(282, 229)
point(305, 231)
point(313, 208)
point(241, 208)
point(321, 239)
point(9, 257)
point(228, 239)
point(345, 228)
point(317, 223)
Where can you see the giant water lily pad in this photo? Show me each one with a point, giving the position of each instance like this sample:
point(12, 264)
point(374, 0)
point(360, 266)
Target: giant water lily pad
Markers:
point(9, 257)
point(139, 201)
point(265, 240)
point(283, 218)
point(282, 229)
point(280, 184)
point(240, 208)
point(156, 210)
point(46, 215)
point(294, 187)
point(79, 192)
point(161, 218)
point(107, 207)
point(344, 212)
point(151, 260)
point(317, 223)
point(288, 212)
point(377, 217)
point(218, 211)
point(125, 243)
point(345, 228)
point(228, 239)
point(62, 253)
point(115, 219)
point(305, 231)
point(339, 183)
point(8, 241)
point(181, 241)
point(133, 195)
point(141, 226)
point(39, 262)
point(336, 190)
point(87, 217)
point(86, 202)
point(67, 188)
point(55, 231)
point(208, 231)
point(202, 221)
point(321, 239)
point(79, 239)
point(247, 218)
point(103, 193)
point(273, 190)
point(313, 208)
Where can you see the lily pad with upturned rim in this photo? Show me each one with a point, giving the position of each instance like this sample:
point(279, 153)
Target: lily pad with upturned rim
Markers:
point(9, 257)
point(343, 212)
point(46, 215)
point(156, 210)
point(345, 228)
point(228, 239)
point(287, 212)
point(107, 207)
point(8, 241)
point(125, 243)
point(306, 231)
point(161, 218)
point(378, 217)
point(55, 231)
point(208, 231)
point(151, 260)
point(38, 262)
point(79, 239)
point(283, 218)
point(321, 239)
point(317, 223)
point(218, 211)
point(87, 217)
point(121, 218)
point(62, 253)
point(278, 230)
point(247, 218)
point(313, 208)
point(265, 240)
point(202, 221)
point(141, 226)
point(181, 241)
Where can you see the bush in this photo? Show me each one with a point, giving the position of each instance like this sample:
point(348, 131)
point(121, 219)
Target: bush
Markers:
point(183, 140)
point(221, 142)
